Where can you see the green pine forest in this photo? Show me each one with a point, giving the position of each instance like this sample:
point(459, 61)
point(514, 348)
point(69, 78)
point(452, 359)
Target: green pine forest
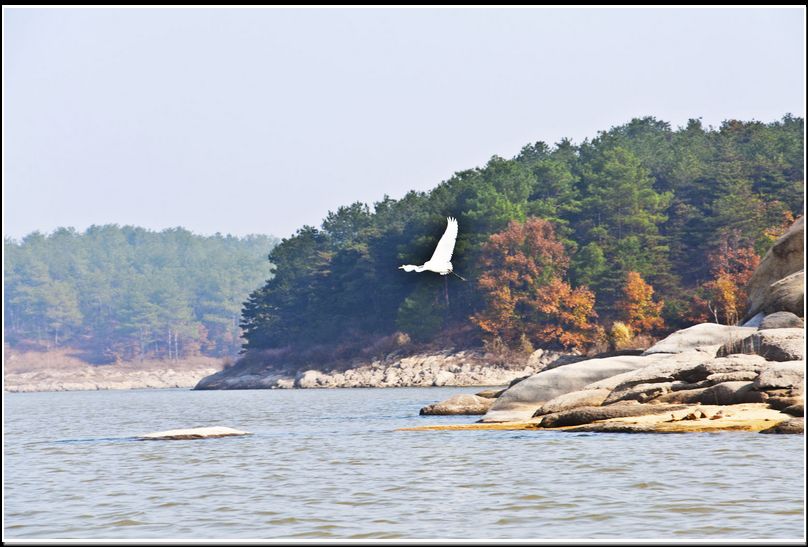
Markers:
point(126, 293)
point(641, 197)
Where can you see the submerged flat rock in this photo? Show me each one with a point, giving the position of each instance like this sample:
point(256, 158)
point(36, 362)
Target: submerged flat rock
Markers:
point(194, 433)
point(697, 418)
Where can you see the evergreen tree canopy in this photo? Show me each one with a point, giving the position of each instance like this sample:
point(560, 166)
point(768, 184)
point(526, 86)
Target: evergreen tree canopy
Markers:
point(641, 197)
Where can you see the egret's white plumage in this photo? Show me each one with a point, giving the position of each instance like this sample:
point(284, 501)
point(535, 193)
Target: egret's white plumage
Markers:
point(441, 261)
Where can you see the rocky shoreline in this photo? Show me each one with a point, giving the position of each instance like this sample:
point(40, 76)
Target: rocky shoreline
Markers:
point(707, 377)
point(448, 368)
point(743, 384)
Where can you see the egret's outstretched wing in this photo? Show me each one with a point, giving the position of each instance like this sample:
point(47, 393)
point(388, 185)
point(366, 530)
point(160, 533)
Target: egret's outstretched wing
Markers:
point(443, 252)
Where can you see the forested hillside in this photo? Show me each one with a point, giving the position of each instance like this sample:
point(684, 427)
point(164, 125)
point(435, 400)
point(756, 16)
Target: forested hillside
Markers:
point(643, 228)
point(123, 293)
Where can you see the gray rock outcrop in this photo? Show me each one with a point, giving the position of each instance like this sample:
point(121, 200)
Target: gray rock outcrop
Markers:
point(523, 399)
point(786, 257)
point(689, 378)
point(787, 294)
point(707, 337)
point(772, 344)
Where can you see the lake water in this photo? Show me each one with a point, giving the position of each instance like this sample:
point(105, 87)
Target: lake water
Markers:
point(329, 464)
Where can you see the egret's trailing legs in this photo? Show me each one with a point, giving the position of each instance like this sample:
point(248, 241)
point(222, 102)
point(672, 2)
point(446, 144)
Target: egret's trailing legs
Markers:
point(441, 261)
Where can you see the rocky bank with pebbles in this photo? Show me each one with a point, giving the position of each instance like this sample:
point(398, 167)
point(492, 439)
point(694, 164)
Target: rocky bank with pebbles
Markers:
point(59, 371)
point(462, 368)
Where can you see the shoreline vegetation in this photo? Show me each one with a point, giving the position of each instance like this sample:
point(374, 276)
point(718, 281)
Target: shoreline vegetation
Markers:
point(590, 247)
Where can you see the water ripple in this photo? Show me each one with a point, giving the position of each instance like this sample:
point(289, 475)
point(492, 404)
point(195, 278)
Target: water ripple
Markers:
point(328, 464)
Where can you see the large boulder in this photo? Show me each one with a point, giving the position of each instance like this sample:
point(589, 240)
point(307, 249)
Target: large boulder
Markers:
point(312, 379)
point(772, 344)
point(781, 320)
point(464, 404)
point(787, 294)
point(784, 258)
point(226, 379)
point(523, 399)
point(707, 337)
point(443, 377)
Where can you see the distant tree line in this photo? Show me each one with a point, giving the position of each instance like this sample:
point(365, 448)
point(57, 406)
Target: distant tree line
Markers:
point(639, 229)
point(122, 293)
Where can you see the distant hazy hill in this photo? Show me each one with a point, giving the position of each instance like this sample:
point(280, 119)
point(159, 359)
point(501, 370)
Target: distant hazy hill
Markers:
point(127, 292)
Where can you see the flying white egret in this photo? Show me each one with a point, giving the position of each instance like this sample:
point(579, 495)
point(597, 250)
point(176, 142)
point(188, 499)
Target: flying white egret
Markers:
point(441, 261)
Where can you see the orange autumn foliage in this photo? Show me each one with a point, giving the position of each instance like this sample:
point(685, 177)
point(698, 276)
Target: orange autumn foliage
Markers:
point(731, 265)
point(526, 297)
point(726, 292)
point(638, 308)
point(698, 311)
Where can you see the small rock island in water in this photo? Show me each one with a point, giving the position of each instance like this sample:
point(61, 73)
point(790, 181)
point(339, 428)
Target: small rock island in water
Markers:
point(194, 433)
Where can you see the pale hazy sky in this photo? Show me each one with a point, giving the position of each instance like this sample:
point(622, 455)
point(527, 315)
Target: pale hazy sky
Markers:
point(259, 121)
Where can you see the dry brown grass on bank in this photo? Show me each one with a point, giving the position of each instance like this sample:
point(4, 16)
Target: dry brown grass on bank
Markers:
point(65, 359)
